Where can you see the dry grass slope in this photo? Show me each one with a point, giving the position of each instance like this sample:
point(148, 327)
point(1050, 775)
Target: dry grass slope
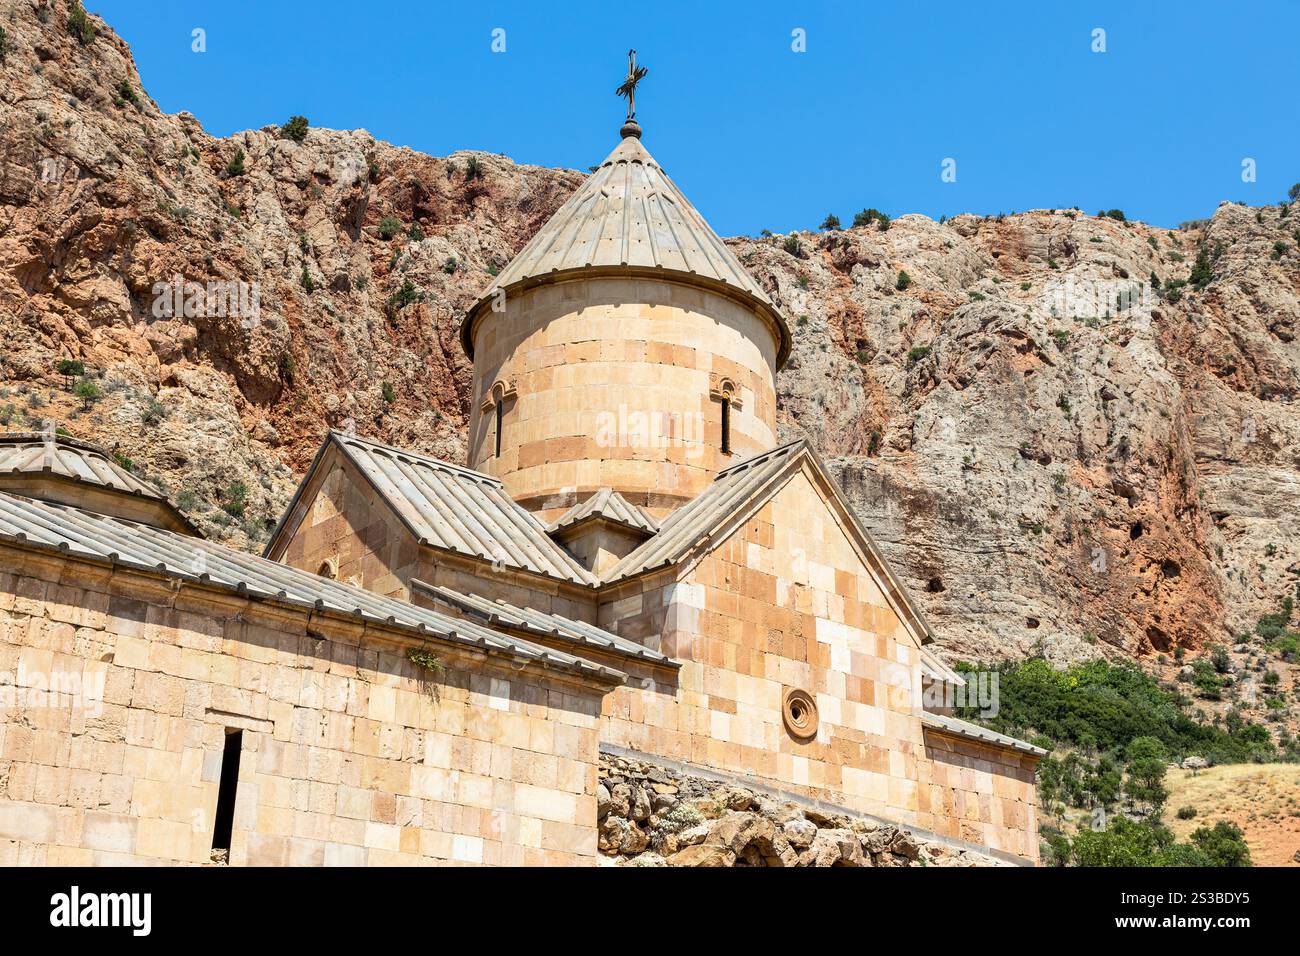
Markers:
point(1262, 799)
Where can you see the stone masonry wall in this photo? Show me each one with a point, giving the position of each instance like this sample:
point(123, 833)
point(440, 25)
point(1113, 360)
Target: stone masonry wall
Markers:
point(351, 755)
point(346, 525)
point(626, 353)
point(784, 602)
point(980, 794)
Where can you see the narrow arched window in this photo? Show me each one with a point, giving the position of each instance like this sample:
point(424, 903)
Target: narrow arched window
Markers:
point(501, 417)
point(726, 425)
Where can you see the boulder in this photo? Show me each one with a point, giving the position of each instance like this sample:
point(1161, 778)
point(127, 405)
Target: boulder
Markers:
point(835, 848)
point(620, 800)
point(799, 832)
point(739, 829)
point(693, 835)
point(640, 807)
point(905, 846)
point(703, 854)
point(739, 799)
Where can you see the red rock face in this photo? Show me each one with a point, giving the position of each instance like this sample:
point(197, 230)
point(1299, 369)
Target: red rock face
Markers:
point(1046, 468)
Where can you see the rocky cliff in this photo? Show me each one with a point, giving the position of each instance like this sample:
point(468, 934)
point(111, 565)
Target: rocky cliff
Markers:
point(1055, 455)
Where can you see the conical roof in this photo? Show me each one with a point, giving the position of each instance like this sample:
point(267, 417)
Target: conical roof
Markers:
point(629, 218)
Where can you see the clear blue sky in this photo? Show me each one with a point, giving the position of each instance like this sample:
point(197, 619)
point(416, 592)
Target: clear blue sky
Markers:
point(760, 136)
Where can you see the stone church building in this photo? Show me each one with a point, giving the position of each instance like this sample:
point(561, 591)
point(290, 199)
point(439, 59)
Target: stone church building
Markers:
point(429, 660)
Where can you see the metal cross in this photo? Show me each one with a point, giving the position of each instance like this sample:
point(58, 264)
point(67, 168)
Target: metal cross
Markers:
point(635, 75)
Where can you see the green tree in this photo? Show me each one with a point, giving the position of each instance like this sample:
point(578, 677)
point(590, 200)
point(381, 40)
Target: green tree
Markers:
point(70, 369)
point(1146, 772)
point(4, 44)
point(389, 227)
point(236, 165)
point(1104, 781)
point(1223, 844)
point(88, 392)
point(832, 221)
point(1122, 843)
point(1201, 274)
point(867, 216)
point(1294, 192)
point(903, 281)
point(295, 129)
point(79, 24)
point(390, 393)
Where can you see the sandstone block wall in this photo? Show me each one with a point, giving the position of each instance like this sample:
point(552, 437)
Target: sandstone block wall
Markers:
point(351, 755)
point(979, 794)
point(347, 528)
point(612, 382)
point(783, 603)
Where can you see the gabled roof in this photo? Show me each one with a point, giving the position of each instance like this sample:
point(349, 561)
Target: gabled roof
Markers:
point(544, 624)
point(82, 534)
point(29, 455)
point(964, 728)
point(741, 489)
point(448, 507)
point(609, 505)
point(630, 217)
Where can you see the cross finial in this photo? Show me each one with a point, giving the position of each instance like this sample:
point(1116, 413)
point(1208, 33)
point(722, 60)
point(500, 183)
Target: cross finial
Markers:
point(635, 74)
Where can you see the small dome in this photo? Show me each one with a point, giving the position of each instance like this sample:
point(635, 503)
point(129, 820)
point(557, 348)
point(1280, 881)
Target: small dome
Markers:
point(629, 218)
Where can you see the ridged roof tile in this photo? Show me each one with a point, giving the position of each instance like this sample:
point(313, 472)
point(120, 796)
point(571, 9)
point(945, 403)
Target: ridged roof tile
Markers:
point(628, 214)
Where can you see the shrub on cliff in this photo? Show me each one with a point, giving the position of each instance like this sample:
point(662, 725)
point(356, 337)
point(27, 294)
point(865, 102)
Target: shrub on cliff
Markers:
point(295, 129)
point(867, 216)
point(236, 498)
point(79, 24)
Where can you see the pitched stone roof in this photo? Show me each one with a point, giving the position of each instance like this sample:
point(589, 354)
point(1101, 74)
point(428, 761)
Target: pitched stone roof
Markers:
point(29, 452)
point(628, 216)
point(746, 485)
point(83, 534)
point(29, 455)
point(964, 728)
point(452, 508)
point(503, 614)
point(934, 668)
point(609, 505)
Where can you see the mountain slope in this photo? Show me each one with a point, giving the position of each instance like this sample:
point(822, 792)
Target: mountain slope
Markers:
point(1048, 468)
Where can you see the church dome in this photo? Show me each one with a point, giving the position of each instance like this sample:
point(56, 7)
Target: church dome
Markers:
point(628, 218)
point(624, 348)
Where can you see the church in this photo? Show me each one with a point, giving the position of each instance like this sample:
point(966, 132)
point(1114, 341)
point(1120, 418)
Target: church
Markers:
point(430, 659)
